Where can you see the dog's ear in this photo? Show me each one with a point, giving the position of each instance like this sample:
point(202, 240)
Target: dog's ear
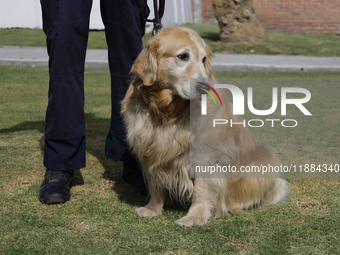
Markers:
point(145, 66)
point(208, 60)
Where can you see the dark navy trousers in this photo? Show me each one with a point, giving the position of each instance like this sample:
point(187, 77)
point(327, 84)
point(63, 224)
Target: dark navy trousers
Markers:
point(66, 25)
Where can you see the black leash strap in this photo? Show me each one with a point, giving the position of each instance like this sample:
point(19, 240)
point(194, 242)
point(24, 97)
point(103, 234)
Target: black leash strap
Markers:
point(159, 12)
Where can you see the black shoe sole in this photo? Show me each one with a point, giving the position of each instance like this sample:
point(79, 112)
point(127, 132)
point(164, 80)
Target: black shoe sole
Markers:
point(55, 199)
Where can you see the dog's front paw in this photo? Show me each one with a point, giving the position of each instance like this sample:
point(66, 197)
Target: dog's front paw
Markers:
point(189, 221)
point(146, 212)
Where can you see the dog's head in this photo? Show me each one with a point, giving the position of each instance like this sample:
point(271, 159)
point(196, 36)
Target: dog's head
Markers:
point(171, 58)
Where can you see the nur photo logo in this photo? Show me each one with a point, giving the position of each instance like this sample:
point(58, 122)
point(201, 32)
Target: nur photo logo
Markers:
point(239, 104)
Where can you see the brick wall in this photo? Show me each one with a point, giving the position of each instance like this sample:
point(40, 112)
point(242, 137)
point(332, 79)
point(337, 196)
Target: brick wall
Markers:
point(301, 16)
point(208, 12)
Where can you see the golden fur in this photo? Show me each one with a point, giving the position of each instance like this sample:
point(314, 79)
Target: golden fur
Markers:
point(156, 112)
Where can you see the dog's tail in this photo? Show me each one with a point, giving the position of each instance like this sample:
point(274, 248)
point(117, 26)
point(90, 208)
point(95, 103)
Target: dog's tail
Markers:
point(277, 194)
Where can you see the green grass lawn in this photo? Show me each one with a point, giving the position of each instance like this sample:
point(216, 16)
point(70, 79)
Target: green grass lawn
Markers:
point(100, 217)
point(277, 43)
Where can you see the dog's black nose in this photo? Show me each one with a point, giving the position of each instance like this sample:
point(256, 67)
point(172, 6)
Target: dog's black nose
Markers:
point(202, 88)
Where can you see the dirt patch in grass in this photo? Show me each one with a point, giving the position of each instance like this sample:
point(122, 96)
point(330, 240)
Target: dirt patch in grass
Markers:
point(3, 210)
point(81, 226)
point(20, 183)
point(100, 190)
point(310, 195)
point(241, 245)
point(312, 205)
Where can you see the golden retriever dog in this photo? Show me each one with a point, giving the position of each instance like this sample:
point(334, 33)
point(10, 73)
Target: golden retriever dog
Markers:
point(156, 111)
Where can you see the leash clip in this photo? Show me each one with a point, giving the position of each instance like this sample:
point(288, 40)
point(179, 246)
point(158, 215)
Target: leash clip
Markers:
point(157, 26)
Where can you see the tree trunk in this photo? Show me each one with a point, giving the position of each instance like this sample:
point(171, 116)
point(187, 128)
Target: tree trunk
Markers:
point(238, 22)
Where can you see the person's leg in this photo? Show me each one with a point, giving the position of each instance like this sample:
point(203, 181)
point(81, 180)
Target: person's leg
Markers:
point(124, 30)
point(66, 25)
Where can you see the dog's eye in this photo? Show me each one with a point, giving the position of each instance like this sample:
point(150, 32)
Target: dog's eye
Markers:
point(183, 56)
point(204, 59)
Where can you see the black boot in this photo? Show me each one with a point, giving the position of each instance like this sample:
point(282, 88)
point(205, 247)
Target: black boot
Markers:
point(56, 186)
point(132, 174)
